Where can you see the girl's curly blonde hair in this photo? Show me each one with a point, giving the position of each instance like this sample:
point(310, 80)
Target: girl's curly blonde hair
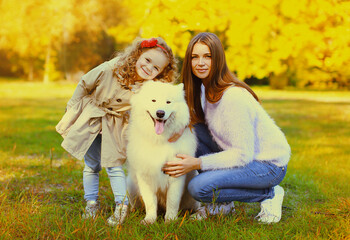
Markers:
point(125, 65)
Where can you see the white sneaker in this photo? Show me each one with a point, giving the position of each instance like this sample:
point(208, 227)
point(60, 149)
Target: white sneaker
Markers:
point(213, 209)
point(271, 209)
point(118, 216)
point(91, 209)
point(221, 208)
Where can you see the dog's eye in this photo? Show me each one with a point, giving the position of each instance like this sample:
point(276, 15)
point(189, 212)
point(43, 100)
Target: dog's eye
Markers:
point(168, 102)
point(153, 100)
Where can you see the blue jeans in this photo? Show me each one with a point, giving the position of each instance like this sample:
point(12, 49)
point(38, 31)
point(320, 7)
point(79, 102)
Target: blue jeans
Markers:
point(253, 182)
point(91, 171)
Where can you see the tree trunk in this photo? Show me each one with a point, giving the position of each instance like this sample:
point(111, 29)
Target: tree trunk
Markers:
point(279, 81)
point(47, 65)
point(31, 71)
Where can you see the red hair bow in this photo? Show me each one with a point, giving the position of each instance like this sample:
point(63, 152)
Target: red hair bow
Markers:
point(149, 43)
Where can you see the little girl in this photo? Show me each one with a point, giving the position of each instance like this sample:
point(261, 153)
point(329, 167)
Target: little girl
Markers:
point(96, 117)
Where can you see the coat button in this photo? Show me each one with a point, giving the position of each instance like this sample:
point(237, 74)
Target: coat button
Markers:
point(119, 100)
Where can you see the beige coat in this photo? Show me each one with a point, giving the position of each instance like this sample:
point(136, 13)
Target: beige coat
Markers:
point(99, 102)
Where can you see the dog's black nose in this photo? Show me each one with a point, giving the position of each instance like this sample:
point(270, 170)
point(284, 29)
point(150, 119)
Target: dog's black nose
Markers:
point(160, 113)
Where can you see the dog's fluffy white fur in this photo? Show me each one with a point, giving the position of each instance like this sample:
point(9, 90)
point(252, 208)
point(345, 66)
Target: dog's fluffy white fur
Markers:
point(158, 111)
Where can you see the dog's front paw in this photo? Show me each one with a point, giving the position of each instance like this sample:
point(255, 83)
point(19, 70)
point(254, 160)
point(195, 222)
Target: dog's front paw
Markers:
point(147, 221)
point(169, 218)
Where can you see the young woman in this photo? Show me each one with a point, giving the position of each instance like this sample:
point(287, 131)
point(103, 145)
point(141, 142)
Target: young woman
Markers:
point(242, 154)
point(94, 124)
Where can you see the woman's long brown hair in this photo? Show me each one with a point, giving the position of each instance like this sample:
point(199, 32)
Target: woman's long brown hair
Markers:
point(220, 76)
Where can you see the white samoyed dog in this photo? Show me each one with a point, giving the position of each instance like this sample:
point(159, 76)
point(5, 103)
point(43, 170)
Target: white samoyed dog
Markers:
point(158, 111)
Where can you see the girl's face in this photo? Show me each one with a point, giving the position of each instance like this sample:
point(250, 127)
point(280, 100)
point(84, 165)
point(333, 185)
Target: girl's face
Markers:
point(151, 63)
point(201, 60)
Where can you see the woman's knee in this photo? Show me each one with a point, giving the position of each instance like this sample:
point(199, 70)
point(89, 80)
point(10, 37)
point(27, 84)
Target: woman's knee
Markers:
point(196, 190)
point(193, 190)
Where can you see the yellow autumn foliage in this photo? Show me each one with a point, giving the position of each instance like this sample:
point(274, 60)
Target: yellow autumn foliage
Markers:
point(307, 43)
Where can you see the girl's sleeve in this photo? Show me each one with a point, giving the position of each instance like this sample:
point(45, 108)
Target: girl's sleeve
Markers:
point(87, 84)
point(236, 132)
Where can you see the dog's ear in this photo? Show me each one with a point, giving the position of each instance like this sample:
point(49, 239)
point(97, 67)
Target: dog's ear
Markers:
point(133, 99)
point(181, 86)
point(147, 84)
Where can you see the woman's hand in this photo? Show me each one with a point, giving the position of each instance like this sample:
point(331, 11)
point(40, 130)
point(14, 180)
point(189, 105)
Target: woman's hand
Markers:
point(176, 136)
point(185, 165)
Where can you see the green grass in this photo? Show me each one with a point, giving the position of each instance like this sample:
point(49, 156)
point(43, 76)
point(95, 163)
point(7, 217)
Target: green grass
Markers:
point(41, 193)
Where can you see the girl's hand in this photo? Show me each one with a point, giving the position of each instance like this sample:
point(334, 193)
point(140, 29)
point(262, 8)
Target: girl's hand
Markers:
point(185, 165)
point(176, 136)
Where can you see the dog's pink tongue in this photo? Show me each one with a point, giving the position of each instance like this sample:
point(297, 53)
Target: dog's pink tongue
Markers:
point(159, 127)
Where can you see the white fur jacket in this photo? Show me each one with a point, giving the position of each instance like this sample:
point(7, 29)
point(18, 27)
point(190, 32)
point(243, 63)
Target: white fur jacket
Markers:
point(244, 131)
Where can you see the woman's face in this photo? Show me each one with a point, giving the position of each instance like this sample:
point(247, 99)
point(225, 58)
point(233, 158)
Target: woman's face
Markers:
point(151, 63)
point(201, 60)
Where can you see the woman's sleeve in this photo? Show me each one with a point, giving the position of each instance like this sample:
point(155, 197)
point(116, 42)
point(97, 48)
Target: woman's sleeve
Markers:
point(235, 131)
point(87, 84)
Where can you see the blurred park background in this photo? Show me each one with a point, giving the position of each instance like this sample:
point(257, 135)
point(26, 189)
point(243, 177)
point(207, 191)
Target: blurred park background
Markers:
point(302, 43)
point(300, 48)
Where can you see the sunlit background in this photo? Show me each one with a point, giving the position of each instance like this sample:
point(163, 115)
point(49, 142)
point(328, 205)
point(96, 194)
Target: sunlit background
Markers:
point(302, 43)
point(300, 47)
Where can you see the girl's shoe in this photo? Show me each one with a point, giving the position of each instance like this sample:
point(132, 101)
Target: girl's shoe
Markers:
point(213, 209)
point(271, 209)
point(118, 216)
point(91, 209)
